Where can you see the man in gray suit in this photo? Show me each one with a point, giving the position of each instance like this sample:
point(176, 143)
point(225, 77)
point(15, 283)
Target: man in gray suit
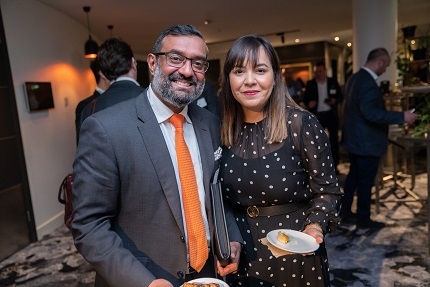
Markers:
point(128, 217)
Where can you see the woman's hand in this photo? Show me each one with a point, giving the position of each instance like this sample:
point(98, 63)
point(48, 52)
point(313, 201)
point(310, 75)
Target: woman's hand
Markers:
point(232, 266)
point(315, 230)
point(160, 283)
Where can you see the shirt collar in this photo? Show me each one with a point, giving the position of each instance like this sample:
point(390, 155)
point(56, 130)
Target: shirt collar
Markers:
point(100, 90)
point(125, 78)
point(162, 112)
point(374, 76)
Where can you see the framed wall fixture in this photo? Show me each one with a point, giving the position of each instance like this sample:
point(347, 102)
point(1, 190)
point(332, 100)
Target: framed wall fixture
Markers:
point(302, 71)
point(38, 96)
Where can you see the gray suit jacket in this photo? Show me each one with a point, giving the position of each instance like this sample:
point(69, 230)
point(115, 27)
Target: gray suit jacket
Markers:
point(127, 219)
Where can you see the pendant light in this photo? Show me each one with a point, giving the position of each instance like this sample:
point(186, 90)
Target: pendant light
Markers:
point(110, 27)
point(91, 47)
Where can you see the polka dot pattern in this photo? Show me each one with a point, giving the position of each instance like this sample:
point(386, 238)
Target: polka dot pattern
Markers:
point(261, 174)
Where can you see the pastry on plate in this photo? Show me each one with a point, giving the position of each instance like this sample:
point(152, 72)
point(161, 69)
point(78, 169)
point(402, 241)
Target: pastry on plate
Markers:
point(283, 238)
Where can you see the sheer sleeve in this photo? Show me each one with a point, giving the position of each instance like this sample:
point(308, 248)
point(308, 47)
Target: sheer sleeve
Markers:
point(313, 145)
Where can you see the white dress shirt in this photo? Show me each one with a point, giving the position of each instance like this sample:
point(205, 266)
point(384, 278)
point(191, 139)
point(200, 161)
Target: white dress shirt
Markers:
point(163, 113)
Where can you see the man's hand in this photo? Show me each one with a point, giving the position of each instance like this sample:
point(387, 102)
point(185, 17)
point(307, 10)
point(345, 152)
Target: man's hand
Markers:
point(409, 116)
point(312, 104)
point(160, 283)
point(232, 266)
point(330, 101)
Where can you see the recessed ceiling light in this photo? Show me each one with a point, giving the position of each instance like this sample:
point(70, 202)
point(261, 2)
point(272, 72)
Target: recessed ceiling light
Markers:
point(297, 40)
point(336, 38)
point(207, 22)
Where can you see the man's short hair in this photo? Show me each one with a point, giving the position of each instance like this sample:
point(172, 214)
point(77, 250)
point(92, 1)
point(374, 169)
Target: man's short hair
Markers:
point(377, 53)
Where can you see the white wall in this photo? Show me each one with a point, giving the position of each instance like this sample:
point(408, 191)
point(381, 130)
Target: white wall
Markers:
point(45, 45)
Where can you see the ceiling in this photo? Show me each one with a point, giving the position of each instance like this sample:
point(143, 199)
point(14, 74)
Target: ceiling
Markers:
point(139, 22)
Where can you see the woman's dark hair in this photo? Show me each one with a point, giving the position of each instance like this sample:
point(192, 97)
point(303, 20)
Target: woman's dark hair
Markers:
point(245, 50)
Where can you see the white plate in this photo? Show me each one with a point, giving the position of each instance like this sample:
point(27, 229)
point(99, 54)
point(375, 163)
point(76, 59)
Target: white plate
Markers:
point(299, 242)
point(209, 280)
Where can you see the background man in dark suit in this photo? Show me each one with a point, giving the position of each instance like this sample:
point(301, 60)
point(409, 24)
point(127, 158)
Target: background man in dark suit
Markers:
point(209, 99)
point(322, 95)
point(294, 87)
point(102, 85)
point(117, 63)
point(128, 217)
point(365, 135)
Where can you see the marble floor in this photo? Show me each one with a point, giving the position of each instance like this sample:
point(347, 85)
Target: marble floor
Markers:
point(396, 255)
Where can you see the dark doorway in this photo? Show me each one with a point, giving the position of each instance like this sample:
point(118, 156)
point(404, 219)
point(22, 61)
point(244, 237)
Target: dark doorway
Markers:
point(16, 214)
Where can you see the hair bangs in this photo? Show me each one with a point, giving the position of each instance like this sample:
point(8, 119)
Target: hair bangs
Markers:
point(244, 51)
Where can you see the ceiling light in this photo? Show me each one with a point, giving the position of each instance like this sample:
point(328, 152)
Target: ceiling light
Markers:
point(91, 47)
point(207, 22)
point(336, 38)
point(297, 40)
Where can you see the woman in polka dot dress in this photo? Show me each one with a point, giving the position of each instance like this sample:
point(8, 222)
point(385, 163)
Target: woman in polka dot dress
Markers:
point(276, 170)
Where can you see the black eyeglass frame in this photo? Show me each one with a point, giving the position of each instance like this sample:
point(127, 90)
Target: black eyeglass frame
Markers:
point(205, 63)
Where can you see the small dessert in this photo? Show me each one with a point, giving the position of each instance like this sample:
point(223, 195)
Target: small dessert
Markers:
point(283, 238)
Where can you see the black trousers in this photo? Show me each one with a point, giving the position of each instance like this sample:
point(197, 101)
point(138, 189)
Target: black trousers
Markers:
point(330, 121)
point(360, 179)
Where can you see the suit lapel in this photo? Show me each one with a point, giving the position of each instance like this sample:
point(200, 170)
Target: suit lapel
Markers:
point(160, 158)
point(159, 155)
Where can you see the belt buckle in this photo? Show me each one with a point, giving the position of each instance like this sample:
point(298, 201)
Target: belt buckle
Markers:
point(252, 211)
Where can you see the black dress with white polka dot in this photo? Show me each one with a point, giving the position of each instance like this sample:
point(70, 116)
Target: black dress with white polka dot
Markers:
point(298, 173)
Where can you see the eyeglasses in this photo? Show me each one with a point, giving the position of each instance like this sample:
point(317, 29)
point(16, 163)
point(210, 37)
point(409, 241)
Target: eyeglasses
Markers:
point(178, 61)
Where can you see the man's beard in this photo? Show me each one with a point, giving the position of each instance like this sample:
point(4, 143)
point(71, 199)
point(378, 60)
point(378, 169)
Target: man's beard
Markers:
point(162, 86)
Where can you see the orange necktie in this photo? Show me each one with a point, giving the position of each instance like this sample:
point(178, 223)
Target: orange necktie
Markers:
point(197, 242)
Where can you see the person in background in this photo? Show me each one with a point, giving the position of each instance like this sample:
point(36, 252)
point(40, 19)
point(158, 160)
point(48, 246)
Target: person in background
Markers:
point(128, 195)
point(322, 96)
point(119, 66)
point(209, 99)
point(293, 86)
point(102, 84)
point(276, 169)
point(365, 135)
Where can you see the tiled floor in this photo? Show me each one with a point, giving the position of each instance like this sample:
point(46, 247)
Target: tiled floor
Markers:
point(396, 255)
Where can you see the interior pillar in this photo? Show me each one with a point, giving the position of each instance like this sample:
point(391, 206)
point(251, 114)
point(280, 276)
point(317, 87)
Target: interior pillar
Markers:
point(374, 25)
